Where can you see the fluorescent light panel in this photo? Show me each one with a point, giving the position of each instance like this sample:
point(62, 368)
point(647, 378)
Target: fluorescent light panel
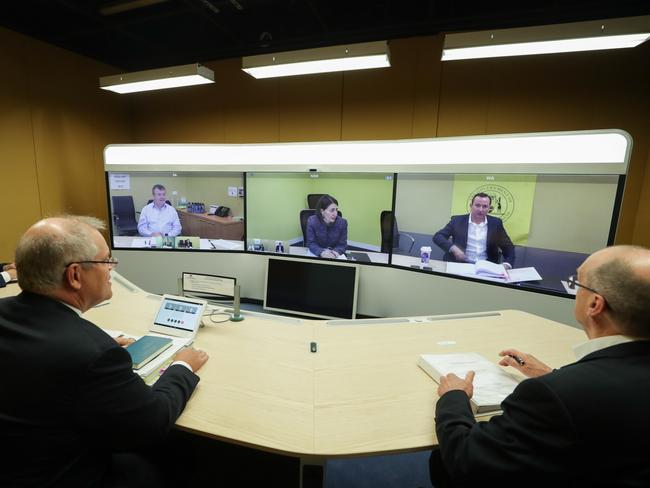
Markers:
point(158, 79)
point(351, 57)
point(561, 38)
point(567, 148)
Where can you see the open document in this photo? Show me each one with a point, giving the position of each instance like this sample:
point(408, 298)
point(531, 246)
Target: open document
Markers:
point(488, 270)
point(491, 383)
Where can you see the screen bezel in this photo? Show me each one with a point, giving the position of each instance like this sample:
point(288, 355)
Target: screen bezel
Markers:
point(173, 331)
point(314, 262)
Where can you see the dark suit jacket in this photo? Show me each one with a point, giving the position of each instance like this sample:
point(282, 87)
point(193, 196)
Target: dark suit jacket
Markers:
point(585, 424)
point(69, 399)
point(3, 283)
point(455, 232)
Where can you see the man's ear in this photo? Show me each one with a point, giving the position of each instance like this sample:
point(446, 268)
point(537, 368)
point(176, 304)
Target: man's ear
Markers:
point(597, 305)
point(72, 276)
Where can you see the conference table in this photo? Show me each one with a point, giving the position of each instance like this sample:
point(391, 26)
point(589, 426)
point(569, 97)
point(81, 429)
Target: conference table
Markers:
point(360, 392)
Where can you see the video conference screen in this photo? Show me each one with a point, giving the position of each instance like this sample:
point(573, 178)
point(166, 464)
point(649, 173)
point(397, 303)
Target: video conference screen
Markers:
point(325, 215)
point(176, 210)
point(521, 230)
point(538, 228)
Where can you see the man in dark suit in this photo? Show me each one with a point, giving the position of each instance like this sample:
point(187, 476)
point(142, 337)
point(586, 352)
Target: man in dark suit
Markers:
point(476, 235)
point(72, 412)
point(583, 425)
point(7, 274)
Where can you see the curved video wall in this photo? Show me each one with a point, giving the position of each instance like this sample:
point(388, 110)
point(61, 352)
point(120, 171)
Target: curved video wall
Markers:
point(525, 223)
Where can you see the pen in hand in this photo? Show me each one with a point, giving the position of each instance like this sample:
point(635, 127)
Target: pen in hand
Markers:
point(520, 361)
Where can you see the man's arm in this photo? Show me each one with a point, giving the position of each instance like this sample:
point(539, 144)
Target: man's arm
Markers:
point(506, 245)
point(533, 436)
point(143, 223)
point(441, 238)
point(119, 410)
point(176, 225)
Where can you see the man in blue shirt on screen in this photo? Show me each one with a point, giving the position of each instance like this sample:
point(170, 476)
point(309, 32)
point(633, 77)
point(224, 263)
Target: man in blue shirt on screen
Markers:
point(158, 218)
point(476, 236)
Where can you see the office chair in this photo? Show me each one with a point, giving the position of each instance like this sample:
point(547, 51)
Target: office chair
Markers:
point(312, 199)
point(124, 216)
point(304, 216)
point(391, 237)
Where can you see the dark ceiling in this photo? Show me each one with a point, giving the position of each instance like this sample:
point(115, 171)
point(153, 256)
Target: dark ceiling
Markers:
point(142, 34)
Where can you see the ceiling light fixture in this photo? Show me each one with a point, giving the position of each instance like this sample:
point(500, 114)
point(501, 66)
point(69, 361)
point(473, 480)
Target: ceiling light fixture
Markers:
point(349, 57)
point(158, 79)
point(560, 38)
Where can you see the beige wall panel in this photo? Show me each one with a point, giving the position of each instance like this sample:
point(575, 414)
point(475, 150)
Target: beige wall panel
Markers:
point(642, 222)
point(20, 202)
point(464, 99)
point(60, 122)
point(310, 107)
point(427, 86)
point(250, 106)
point(182, 115)
point(379, 103)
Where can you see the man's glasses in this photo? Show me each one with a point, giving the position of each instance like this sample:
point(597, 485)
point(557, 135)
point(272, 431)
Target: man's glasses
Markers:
point(572, 282)
point(111, 262)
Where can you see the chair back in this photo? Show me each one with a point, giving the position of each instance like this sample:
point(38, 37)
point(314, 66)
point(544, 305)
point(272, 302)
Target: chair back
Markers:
point(123, 207)
point(304, 216)
point(389, 234)
point(312, 199)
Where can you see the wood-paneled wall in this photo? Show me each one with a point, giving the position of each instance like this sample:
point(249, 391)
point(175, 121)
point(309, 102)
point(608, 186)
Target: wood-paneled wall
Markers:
point(421, 97)
point(54, 125)
point(57, 121)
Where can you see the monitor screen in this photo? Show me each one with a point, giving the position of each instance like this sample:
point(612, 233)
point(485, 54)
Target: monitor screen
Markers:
point(322, 215)
point(316, 289)
point(185, 211)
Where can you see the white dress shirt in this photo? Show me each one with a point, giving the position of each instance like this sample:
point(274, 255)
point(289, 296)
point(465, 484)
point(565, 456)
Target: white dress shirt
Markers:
point(163, 220)
point(593, 345)
point(476, 241)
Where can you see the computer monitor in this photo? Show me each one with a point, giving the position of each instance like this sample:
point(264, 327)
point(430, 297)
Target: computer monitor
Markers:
point(312, 288)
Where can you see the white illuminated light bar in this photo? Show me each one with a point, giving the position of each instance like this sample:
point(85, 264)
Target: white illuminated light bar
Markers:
point(548, 39)
point(567, 148)
point(320, 60)
point(158, 79)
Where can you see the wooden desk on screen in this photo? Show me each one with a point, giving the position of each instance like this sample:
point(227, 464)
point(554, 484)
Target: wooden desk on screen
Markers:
point(360, 393)
point(211, 226)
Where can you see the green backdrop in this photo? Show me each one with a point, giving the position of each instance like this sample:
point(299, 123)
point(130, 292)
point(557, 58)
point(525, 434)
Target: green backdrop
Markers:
point(274, 202)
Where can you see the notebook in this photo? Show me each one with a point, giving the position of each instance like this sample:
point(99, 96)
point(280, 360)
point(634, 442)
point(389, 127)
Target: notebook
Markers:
point(147, 348)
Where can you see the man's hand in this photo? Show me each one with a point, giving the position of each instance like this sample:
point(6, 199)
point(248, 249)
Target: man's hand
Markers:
point(531, 367)
point(194, 357)
point(328, 254)
point(458, 254)
point(452, 382)
point(156, 234)
point(9, 266)
point(12, 273)
point(124, 341)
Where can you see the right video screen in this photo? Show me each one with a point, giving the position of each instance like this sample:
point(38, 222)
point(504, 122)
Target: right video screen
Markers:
point(529, 231)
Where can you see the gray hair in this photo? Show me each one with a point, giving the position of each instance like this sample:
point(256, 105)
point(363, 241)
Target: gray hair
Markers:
point(41, 258)
point(626, 292)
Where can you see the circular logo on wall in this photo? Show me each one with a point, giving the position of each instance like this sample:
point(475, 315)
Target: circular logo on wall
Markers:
point(503, 203)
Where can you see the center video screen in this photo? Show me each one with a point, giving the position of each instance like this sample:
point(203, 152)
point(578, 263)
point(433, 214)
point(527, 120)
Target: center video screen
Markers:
point(176, 210)
point(525, 230)
point(322, 215)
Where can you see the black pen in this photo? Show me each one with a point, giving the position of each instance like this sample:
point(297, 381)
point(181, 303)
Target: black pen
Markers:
point(518, 359)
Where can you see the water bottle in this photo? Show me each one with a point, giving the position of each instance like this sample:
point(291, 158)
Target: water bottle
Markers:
point(425, 254)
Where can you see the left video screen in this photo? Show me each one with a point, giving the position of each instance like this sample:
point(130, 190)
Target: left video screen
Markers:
point(176, 210)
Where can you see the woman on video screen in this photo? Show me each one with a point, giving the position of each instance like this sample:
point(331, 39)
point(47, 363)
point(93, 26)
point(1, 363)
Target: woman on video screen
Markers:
point(327, 231)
